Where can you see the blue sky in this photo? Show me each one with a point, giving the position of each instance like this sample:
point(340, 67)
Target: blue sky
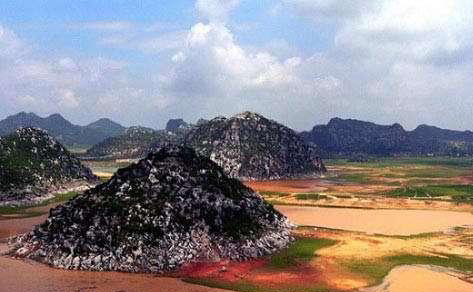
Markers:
point(300, 62)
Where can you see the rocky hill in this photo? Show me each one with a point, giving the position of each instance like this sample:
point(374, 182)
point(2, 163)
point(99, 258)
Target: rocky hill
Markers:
point(250, 146)
point(433, 140)
point(352, 138)
point(171, 208)
point(32, 163)
point(108, 127)
point(63, 130)
point(177, 125)
point(134, 143)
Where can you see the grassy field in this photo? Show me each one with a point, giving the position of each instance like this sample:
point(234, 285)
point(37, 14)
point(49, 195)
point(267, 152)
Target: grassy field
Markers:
point(302, 250)
point(29, 211)
point(300, 253)
point(375, 270)
point(424, 178)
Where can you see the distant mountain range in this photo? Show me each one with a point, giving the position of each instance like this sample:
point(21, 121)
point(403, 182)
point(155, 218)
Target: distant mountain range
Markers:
point(349, 138)
point(63, 130)
point(338, 138)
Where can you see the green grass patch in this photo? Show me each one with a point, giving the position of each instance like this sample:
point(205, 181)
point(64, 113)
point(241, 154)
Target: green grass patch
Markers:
point(456, 192)
point(302, 250)
point(456, 162)
point(358, 177)
point(273, 194)
point(310, 196)
point(25, 211)
point(376, 270)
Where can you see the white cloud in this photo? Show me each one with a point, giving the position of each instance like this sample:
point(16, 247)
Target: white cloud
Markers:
point(398, 60)
point(68, 99)
point(215, 10)
point(106, 25)
point(216, 75)
point(10, 45)
point(149, 44)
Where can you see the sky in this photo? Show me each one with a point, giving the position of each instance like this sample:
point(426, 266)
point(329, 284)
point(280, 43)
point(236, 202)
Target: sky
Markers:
point(300, 62)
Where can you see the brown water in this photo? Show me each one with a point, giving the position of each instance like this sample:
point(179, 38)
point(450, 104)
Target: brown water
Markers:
point(387, 222)
point(421, 279)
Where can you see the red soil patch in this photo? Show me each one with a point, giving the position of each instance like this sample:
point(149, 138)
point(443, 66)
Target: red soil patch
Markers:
point(252, 271)
point(230, 271)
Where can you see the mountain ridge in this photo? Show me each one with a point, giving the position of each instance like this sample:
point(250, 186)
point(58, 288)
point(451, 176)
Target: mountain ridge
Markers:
point(352, 137)
point(61, 129)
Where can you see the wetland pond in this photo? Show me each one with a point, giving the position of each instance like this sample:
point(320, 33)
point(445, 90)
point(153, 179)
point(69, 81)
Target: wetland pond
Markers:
point(377, 221)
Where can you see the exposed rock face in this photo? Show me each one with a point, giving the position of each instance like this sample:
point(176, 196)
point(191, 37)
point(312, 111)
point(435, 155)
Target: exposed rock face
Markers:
point(31, 162)
point(433, 140)
point(169, 209)
point(352, 137)
point(63, 130)
point(177, 125)
point(249, 146)
point(135, 143)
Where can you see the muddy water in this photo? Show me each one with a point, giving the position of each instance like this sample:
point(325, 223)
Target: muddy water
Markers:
point(421, 279)
point(387, 222)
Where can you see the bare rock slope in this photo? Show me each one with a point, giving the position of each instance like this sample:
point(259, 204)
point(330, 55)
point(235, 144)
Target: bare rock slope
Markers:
point(250, 146)
point(32, 163)
point(170, 208)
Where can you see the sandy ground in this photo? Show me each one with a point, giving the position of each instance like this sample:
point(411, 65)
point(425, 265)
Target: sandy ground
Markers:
point(421, 279)
point(349, 195)
point(387, 222)
point(27, 276)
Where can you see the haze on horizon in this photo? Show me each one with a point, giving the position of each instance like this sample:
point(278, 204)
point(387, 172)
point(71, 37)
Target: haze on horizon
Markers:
point(299, 62)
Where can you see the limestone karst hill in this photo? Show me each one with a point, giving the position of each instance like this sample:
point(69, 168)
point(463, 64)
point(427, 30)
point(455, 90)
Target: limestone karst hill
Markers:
point(353, 138)
point(247, 146)
point(61, 129)
point(250, 146)
point(32, 162)
point(134, 143)
point(171, 208)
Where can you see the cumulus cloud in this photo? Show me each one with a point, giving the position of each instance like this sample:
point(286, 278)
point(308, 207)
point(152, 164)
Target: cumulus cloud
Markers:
point(215, 10)
point(71, 86)
point(388, 61)
point(216, 75)
point(402, 60)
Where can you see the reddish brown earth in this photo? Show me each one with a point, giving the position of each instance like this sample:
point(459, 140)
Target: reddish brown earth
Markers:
point(29, 276)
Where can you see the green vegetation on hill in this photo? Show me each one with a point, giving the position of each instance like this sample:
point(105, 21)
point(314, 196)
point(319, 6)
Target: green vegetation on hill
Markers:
point(360, 140)
point(31, 161)
point(63, 130)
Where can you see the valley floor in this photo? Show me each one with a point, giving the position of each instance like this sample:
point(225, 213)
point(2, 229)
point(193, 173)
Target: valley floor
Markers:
point(368, 227)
